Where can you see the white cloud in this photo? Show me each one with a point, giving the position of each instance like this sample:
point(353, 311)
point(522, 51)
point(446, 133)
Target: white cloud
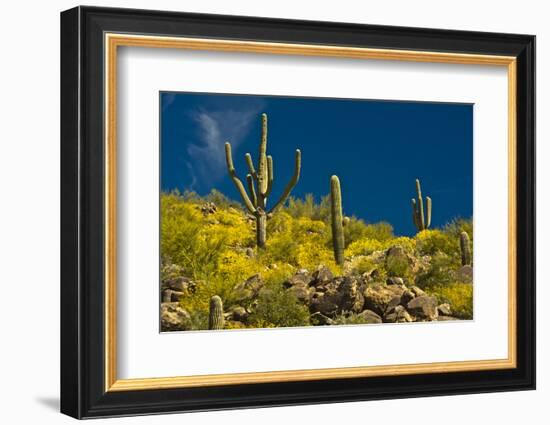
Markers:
point(206, 154)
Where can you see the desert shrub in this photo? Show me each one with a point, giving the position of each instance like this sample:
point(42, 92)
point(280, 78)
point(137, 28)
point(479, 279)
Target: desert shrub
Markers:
point(430, 242)
point(397, 266)
point(458, 225)
point(442, 270)
point(222, 201)
point(278, 308)
point(184, 239)
point(307, 207)
point(365, 265)
point(408, 244)
point(459, 295)
point(364, 247)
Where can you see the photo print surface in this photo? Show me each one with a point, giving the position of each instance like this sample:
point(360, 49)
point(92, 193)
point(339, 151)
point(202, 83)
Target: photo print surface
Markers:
point(301, 211)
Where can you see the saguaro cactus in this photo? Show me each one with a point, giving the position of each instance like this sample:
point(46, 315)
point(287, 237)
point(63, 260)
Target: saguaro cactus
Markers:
point(215, 318)
point(337, 220)
point(260, 183)
point(418, 209)
point(465, 249)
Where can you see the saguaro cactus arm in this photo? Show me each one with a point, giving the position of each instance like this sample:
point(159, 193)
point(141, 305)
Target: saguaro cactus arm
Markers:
point(250, 164)
point(428, 211)
point(420, 205)
point(337, 220)
point(420, 220)
point(215, 317)
point(295, 177)
point(269, 175)
point(262, 158)
point(236, 181)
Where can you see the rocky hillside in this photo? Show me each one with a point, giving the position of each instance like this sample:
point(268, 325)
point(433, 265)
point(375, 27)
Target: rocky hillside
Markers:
point(213, 275)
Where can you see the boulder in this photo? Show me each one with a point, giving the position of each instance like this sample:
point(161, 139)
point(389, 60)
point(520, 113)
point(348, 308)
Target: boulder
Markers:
point(446, 318)
point(444, 309)
point(176, 296)
point(423, 307)
point(166, 296)
point(326, 303)
point(398, 314)
point(249, 289)
point(417, 291)
point(407, 296)
point(302, 292)
point(352, 298)
point(394, 281)
point(319, 318)
point(302, 277)
point(322, 276)
point(379, 297)
point(237, 314)
point(173, 317)
point(181, 284)
point(370, 317)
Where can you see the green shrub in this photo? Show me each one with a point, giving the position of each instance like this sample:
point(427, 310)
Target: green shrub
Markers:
point(397, 266)
point(278, 308)
point(442, 270)
point(458, 295)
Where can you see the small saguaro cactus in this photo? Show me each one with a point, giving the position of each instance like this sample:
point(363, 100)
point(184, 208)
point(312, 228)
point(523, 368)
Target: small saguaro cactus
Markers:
point(215, 317)
point(465, 249)
point(337, 220)
point(260, 183)
point(418, 209)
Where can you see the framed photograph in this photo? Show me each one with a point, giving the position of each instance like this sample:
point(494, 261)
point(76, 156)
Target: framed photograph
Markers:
point(261, 212)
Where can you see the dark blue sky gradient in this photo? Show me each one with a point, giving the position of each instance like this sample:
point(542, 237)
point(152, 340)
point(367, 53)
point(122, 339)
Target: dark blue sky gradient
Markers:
point(377, 148)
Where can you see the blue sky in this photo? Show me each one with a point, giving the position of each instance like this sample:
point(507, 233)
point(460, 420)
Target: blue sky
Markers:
point(377, 148)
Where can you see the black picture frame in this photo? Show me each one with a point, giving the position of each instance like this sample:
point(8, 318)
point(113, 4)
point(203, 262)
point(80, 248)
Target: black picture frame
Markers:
point(82, 212)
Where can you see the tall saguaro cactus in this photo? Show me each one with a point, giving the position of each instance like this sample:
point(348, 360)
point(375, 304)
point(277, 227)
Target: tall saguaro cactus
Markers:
point(215, 317)
point(420, 222)
point(260, 183)
point(337, 220)
point(465, 249)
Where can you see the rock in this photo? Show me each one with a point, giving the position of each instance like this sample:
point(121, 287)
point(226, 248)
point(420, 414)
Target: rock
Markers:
point(176, 296)
point(406, 297)
point(394, 281)
point(320, 319)
point(173, 317)
point(394, 302)
point(302, 277)
point(417, 291)
point(237, 314)
point(209, 208)
point(446, 318)
point(444, 309)
point(166, 296)
point(423, 307)
point(465, 274)
point(398, 314)
point(326, 303)
point(249, 289)
point(181, 284)
point(322, 276)
point(396, 251)
point(302, 292)
point(370, 317)
point(378, 297)
point(352, 299)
